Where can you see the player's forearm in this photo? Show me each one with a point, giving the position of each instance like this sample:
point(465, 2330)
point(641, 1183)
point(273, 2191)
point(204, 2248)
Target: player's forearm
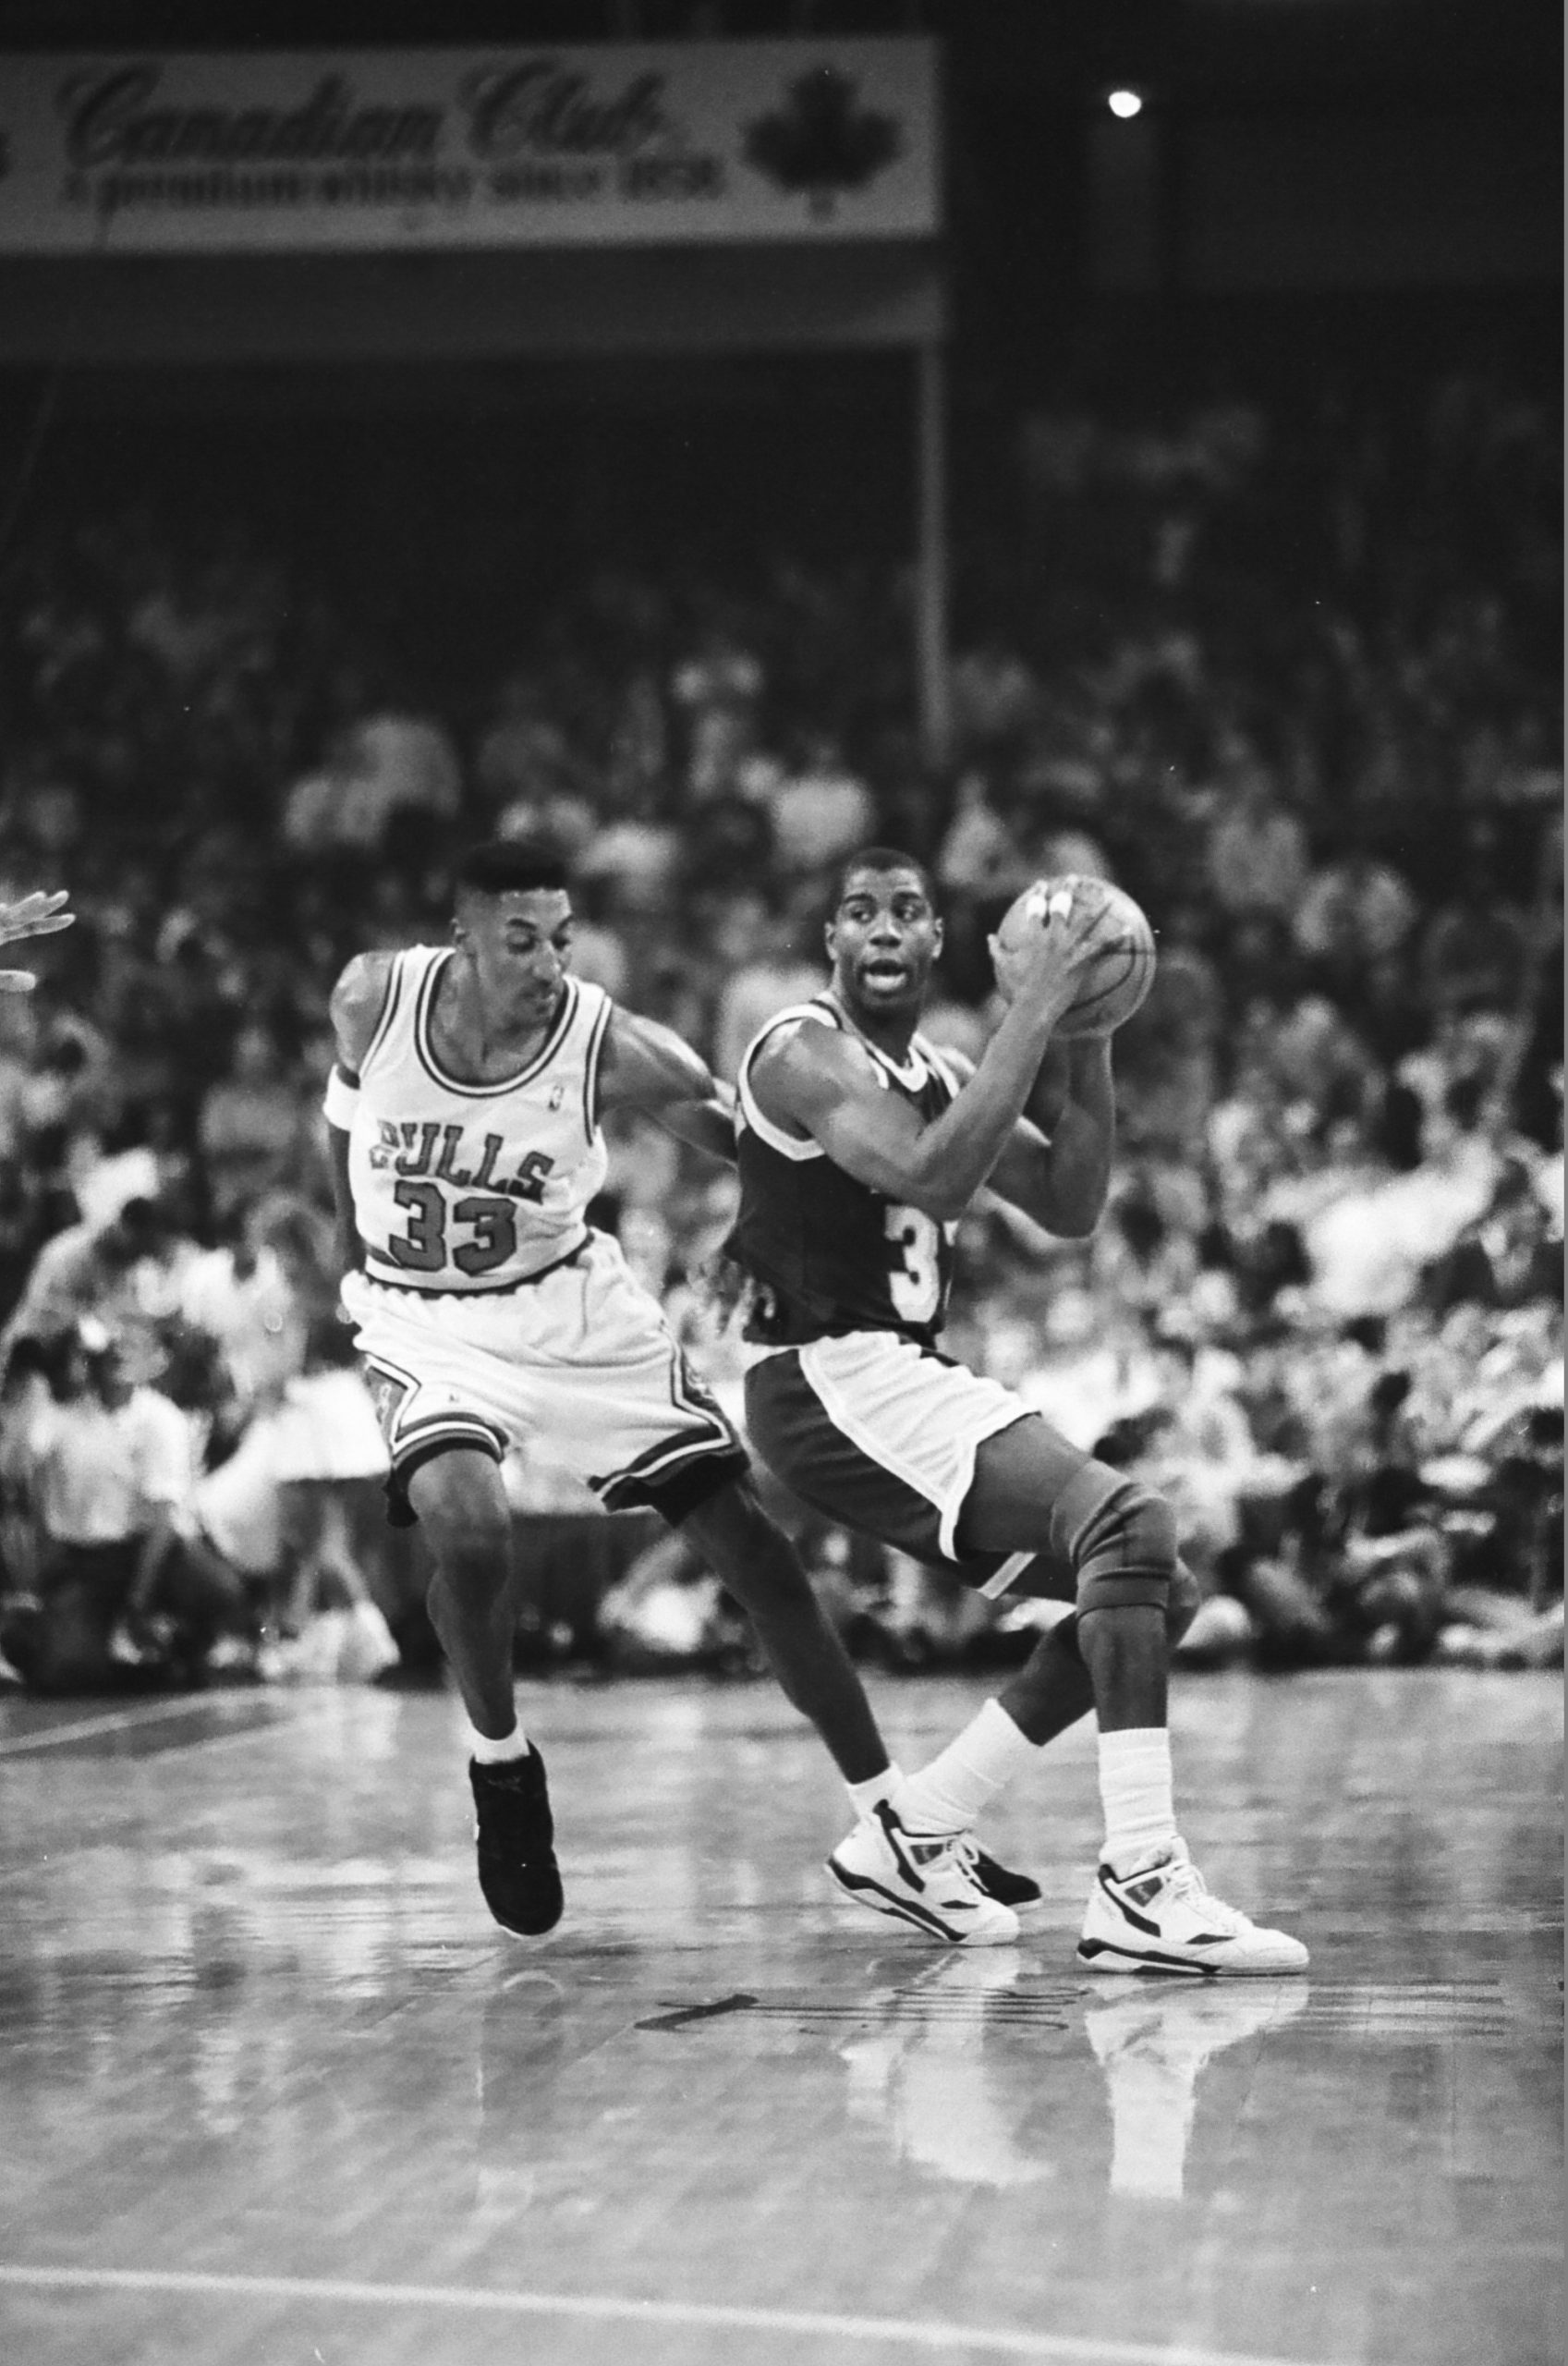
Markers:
point(1083, 1136)
point(956, 1155)
point(348, 1247)
point(1064, 1183)
point(708, 1125)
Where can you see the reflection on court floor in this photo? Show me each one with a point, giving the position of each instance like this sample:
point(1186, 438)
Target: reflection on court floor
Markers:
point(271, 2085)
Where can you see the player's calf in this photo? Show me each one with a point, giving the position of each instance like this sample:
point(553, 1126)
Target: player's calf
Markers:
point(463, 1510)
point(761, 1567)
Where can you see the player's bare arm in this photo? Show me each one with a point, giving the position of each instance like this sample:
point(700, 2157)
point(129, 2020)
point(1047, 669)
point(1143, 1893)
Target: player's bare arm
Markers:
point(647, 1066)
point(1056, 1167)
point(823, 1085)
point(357, 1000)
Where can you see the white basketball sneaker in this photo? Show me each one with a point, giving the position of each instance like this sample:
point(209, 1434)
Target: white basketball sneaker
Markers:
point(1164, 1917)
point(920, 1877)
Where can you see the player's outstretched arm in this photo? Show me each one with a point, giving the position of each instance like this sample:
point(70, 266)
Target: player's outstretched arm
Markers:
point(40, 914)
point(357, 1003)
point(646, 1065)
point(825, 1086)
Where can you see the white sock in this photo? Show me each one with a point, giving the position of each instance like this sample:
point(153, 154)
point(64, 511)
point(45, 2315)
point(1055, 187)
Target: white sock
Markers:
point(963, 1779)
point(1135, 1792)
point(491, 1753)
point(868, 1796)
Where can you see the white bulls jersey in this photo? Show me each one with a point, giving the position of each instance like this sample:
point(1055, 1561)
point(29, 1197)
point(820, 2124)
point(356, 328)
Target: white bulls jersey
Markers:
point(467, 1188)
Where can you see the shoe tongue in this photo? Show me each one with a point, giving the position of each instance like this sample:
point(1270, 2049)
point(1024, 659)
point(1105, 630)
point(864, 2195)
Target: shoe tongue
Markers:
point(1169, 1853)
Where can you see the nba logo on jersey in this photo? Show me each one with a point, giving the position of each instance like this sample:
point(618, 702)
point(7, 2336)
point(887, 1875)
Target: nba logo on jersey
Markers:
point(557, 1094)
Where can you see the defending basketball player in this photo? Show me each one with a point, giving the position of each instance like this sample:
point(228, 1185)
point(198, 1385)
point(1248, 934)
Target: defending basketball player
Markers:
point(464, 1110)
point(861, 1145)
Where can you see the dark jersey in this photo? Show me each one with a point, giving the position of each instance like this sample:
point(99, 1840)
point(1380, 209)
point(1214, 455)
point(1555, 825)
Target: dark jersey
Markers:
point(828, 1255)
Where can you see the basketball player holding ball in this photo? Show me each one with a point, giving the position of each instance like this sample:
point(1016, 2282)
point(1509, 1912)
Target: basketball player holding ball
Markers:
point(861, 1146)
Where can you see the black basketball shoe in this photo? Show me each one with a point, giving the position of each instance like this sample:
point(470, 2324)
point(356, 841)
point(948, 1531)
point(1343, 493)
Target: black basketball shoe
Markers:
point(516, 1833)
point(1000, 1882)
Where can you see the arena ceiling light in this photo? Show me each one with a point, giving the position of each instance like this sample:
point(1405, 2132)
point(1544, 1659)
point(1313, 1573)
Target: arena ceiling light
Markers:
point(1125, 103)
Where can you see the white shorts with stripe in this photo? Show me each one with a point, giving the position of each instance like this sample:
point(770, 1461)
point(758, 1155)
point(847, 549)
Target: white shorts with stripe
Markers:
point(579, 1362)
point(877, 1431)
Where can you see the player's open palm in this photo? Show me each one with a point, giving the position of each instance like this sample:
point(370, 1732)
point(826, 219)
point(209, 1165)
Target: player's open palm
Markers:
point(1040, 968)
point(36, 915)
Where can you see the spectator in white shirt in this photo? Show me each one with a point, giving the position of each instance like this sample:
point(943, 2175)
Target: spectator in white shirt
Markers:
point(822, 813)
point(1257, 860)
point(99, 1472)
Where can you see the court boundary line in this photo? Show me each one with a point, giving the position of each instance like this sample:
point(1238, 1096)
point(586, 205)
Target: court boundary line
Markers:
point(149, 1713)
point(1054, 2349)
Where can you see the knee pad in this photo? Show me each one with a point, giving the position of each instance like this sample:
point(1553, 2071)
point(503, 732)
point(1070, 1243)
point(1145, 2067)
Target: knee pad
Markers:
point(1121, 1539)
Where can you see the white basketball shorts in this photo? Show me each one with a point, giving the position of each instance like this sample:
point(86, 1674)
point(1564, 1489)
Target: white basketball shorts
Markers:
point(578, 1362)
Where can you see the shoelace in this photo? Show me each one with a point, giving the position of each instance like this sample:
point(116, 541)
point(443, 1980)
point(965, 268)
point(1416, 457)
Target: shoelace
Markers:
point(1187, 1883)
point(958, 1854)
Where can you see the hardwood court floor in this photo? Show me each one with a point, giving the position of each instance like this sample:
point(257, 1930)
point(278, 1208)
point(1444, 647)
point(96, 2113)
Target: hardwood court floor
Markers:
point(274, 2090)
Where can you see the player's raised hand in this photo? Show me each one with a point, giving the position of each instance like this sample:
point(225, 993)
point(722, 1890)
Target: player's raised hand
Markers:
point(1038, 965)
point(36, 915)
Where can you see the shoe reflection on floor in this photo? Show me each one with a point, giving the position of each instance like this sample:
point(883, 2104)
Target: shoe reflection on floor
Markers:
point(1152, 2041)
point(927, 2081)
point(924, 2081)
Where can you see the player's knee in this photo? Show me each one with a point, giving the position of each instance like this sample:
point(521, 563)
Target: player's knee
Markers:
point(1124, 1549)
point(468, 1528)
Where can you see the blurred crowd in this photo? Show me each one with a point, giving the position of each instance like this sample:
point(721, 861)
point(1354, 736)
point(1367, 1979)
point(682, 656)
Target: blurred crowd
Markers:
point(1292, 679)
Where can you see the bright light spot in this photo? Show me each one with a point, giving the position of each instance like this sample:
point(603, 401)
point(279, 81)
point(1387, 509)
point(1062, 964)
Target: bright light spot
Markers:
point(1126, 103)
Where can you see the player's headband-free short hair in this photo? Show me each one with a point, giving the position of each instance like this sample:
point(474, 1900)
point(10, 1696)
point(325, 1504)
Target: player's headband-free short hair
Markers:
point(881, 859)
point(509, 867)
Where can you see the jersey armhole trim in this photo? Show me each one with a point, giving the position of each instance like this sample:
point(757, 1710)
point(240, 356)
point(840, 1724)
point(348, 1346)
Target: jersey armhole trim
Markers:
point(791, 1146)
point(598, 1028)
point(936, 1062)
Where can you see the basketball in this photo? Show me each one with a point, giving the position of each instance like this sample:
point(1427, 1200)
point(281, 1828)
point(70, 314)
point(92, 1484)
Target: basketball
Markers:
point(1116, 982)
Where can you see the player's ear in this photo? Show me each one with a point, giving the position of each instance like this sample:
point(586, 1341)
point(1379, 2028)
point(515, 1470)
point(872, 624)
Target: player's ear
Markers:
point(939, 938)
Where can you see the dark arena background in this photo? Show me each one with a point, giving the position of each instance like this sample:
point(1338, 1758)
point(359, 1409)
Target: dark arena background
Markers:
point(1120, 439)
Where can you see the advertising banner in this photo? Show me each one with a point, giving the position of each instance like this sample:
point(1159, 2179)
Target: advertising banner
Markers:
point(324, 152)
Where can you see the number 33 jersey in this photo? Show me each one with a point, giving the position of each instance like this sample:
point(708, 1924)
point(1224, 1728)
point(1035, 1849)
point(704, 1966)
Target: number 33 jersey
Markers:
point(828, 1255)
point(469, 1189)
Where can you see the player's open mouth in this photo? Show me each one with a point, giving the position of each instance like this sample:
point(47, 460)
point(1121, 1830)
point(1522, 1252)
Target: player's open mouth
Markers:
point(885, 973)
